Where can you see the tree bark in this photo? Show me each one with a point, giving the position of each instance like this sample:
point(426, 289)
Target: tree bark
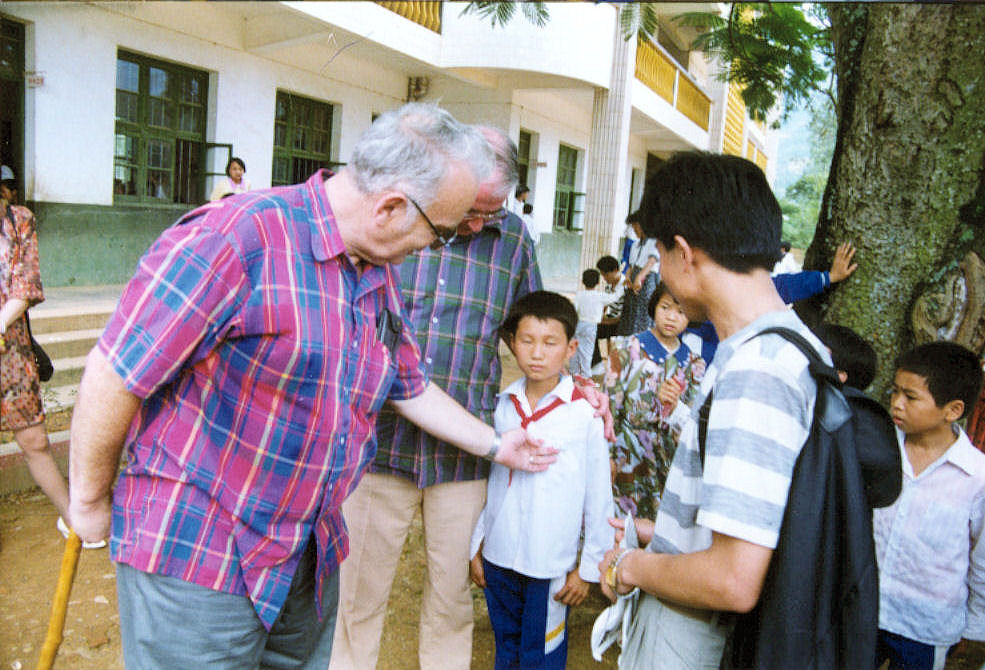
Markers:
point(907, 183)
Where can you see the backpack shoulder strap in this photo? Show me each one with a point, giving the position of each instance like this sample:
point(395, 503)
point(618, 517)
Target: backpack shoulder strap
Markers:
point(820, 370)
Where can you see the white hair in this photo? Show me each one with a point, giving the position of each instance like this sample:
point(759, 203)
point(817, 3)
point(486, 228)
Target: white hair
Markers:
point(410, 148)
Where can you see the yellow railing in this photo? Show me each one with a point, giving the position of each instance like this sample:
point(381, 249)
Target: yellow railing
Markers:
point(692, 102)
point(735, 116)
point(761, 160)
point(665, 78)
point(427, 14)
point(654, 69)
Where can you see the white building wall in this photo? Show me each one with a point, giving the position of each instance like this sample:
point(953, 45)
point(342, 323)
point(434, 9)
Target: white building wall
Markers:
point(575, 42)
point(69, 136)
point(555, 120)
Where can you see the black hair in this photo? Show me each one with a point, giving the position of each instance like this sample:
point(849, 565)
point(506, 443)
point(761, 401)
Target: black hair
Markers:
point(232, 160)
point(720, 204)
point(607, 264)
point(850, 353)
point(528, 208)
point(951, 372)
point(658, 293)
point(785, 246)
point(590, 278)
point(543, 305)
point(520, 190)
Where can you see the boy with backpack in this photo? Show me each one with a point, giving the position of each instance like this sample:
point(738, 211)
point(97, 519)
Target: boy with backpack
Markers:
point(929, 542)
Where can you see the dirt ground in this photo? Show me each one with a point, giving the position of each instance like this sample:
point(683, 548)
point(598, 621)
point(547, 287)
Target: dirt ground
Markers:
point(30, 556)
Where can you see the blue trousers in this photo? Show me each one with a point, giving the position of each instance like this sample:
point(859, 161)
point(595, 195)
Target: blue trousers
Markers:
point(530, 627)
point(168, 623)
point(906, 654)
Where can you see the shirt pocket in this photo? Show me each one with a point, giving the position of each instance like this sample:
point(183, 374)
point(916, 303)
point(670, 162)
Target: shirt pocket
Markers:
point(374, 371)
point(943, 532)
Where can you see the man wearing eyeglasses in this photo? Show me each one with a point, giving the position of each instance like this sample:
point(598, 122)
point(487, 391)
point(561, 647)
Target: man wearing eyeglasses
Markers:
point(243, 370)
point(456, 296)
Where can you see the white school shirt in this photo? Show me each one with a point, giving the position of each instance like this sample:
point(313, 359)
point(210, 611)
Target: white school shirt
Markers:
point(590, 304)
point(930, 551)
point(532, 521)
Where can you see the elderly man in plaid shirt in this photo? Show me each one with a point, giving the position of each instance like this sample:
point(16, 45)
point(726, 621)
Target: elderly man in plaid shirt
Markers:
point(456, 297)
point(243, 370)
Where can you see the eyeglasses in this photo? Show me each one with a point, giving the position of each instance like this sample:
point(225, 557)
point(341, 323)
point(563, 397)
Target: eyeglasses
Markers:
point(443, 239)
point(486, 217)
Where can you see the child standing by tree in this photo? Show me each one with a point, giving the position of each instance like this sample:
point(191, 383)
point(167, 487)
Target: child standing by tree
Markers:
point(651, 380)
point(529, 530)
point(929, 542)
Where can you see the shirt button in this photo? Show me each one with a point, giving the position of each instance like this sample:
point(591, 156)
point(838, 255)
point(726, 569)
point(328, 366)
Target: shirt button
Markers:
point(434, 319)
point(441, 282)
point(428, 360)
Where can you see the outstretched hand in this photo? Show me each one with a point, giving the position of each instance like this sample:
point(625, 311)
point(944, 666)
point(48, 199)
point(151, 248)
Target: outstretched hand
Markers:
point(842, 266)
point(600, 401)
point(522, 452)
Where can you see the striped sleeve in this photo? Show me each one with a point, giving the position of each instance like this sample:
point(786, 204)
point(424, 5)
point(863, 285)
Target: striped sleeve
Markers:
point(759, 420)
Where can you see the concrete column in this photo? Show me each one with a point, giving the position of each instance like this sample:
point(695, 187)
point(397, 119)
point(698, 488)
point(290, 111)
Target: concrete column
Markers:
point(607, 153)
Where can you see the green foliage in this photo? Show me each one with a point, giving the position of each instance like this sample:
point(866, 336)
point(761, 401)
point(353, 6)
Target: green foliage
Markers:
point(501, 13)
point(638, 18)
point(634, 17)
point(801, 201)
point(773, 50)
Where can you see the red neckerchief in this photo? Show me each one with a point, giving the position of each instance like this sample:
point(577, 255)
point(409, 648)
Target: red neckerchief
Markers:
point(525, 420)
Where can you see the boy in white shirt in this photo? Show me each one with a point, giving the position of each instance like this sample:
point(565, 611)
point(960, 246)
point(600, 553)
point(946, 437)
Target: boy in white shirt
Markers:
point(530, 529)
point(929, 543)
point(590, 303)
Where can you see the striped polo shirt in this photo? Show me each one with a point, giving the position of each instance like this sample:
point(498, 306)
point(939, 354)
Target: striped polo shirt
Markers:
point(759, 419)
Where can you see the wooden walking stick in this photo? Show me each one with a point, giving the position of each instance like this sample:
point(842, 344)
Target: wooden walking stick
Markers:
point(59, 606)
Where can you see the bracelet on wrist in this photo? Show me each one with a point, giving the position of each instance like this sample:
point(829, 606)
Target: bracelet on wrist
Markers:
point(612, 572)
point(494, 448)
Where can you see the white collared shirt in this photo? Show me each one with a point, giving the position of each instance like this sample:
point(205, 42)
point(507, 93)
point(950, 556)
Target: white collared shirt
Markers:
point(591, 303)
point(532, 522)
point(929, 549)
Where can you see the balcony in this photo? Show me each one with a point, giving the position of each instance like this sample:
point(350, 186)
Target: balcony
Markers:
point(661, 74)
point(427, 14)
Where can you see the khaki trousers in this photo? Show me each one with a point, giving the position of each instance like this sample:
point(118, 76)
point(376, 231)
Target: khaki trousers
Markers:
point(378, 515)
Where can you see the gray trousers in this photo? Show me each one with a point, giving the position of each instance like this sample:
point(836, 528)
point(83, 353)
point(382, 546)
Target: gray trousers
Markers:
point(168, 623)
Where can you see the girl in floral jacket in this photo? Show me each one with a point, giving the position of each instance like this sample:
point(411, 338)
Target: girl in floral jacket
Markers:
point(651, 380)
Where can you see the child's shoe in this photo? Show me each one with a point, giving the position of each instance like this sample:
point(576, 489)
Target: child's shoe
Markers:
point(63, 529)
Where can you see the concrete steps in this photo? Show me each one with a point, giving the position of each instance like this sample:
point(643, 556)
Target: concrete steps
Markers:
point(67, 325)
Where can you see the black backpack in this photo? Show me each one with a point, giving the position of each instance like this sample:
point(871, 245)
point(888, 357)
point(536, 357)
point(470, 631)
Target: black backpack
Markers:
point(819, 607)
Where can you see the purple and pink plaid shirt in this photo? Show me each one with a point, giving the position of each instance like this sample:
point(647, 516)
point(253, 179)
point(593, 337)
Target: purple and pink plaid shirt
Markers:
point(253, 341)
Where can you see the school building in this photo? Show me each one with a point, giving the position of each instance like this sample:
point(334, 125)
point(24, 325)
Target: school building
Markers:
point(118, 116)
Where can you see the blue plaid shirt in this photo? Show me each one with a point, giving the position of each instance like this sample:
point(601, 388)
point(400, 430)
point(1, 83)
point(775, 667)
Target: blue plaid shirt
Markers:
point(456, 298)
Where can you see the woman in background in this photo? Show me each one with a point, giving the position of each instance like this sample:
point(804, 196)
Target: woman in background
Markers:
point(234, 182)
point(21, 407)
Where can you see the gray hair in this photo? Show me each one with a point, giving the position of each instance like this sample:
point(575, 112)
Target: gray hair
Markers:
point(506, 173)
point(410, 148)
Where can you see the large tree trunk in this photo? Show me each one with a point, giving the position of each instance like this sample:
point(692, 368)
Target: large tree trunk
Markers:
point(907, 183)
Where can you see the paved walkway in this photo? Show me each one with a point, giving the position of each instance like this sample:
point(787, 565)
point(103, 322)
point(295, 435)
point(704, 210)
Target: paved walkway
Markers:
point(63, 300)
